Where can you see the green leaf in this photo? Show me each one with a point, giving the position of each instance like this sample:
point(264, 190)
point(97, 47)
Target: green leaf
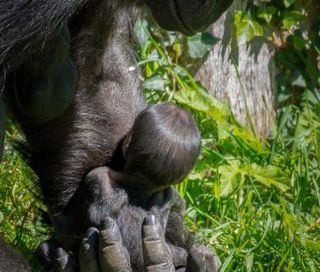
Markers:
point(249, 262)
point(267, 13)
point(228, 261)
point(292, 18)
point(230, 175)
point(246, 28)
point(200, 44)
point(299, 43)
point(140, 32)
point(154, 83)
point(299, 81)
point(288, 3)
point(177, 48)
point(268, 176)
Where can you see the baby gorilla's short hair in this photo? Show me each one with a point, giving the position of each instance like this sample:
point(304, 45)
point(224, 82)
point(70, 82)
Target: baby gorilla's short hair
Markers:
point(163, 146)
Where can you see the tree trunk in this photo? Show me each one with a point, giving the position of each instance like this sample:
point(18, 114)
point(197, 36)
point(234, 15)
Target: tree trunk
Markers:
point(256, 66)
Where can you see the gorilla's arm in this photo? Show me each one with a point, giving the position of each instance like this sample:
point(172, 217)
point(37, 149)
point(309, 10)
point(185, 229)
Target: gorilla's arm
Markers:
point(107, 97)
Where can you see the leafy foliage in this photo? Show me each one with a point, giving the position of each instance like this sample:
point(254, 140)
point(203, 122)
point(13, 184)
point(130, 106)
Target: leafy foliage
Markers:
point(20, 205)
point(255, 202)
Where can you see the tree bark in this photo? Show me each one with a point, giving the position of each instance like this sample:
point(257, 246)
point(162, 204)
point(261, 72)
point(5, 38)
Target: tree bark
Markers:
point(256, 66)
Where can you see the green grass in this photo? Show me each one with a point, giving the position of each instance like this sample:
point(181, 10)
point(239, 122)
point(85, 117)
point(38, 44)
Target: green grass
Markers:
point(255, 203)
point(20, 206)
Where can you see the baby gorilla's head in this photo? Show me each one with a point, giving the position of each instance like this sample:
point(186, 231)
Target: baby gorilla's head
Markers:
point(162, 147)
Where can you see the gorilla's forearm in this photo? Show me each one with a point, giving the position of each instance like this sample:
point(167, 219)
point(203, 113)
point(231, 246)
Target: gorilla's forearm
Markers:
point(107, 99)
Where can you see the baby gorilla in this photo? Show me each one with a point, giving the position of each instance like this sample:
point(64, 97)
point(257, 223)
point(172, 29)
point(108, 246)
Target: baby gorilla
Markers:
point(160, 150)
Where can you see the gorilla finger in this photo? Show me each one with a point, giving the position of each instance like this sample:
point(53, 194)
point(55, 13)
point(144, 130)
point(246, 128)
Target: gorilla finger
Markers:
point(201, 259)
point(112, 254)
point(43, 252)
point(156, 253)
point(62, 262)
point(88, 251)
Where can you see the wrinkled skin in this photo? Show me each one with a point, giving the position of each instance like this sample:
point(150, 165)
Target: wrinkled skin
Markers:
point(103, 251)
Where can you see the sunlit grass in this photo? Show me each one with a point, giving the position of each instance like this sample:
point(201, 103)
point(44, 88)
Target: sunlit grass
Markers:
point(20, 220)
point(255, 203)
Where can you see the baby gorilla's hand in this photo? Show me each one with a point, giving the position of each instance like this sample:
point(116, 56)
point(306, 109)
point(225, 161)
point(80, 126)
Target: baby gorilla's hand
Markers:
point(102, 251)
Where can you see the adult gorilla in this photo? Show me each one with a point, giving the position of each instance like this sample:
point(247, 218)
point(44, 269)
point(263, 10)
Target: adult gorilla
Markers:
point(66, 72)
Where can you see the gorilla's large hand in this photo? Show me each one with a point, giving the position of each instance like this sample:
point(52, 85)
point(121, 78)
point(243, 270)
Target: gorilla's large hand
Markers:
point(103, 251)
point(99, 198)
